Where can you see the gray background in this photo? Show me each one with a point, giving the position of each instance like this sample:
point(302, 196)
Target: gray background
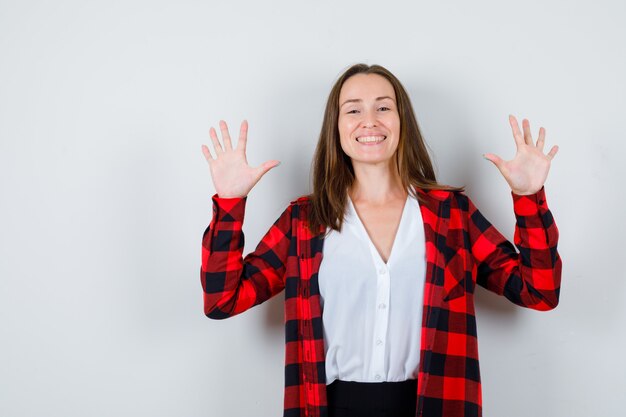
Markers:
point(105, 192)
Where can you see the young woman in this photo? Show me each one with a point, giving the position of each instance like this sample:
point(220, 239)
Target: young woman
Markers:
point(380, 262)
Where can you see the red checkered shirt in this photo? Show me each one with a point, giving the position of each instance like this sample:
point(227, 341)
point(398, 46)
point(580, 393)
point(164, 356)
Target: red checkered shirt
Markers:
point(462, 249)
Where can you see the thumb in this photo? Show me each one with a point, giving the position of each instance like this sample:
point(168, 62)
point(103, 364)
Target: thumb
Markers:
point(266, 166)
point(497, 161)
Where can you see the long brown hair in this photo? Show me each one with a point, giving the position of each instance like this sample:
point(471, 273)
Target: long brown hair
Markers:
point(332, 169)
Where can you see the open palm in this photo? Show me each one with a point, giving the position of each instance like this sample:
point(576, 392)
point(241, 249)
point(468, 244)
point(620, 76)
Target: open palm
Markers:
point(527, 171)
point(231, 174)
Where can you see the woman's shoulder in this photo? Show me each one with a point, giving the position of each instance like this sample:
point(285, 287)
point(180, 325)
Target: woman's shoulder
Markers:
point(441, 193)
point(302, 200)
point(452, 197)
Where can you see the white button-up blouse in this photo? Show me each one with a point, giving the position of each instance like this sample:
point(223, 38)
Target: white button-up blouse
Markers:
point(372, 311)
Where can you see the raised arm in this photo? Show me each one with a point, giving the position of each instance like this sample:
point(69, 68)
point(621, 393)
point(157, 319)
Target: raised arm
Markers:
point(231, 283)
point(532, 277)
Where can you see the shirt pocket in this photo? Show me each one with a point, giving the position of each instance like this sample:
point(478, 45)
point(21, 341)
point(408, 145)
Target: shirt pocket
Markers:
point(457, 276)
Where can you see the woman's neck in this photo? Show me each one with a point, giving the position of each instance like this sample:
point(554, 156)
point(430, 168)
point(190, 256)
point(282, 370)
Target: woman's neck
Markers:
point(376, 185)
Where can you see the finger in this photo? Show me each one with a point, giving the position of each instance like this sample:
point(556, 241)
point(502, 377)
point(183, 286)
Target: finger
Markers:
point(216, 142)
point(243, 136)
point(517, 135)
point(497, 161)
point(207, 154)
point(541, 140)
point(266, 166)
point(553, 152)
point(225, 136)
point(527, 135)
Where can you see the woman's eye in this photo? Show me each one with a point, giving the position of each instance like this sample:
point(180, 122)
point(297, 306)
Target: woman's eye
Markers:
point(386, 108)
point(352, 111)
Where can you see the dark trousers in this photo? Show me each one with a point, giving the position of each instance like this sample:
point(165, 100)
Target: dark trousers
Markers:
point(372, 399)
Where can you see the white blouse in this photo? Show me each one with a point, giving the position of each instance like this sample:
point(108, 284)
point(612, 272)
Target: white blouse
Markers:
point(372, 311)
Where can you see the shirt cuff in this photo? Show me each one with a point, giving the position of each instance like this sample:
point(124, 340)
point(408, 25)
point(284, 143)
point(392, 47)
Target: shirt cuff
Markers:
point(531, 204)
point(230, 209)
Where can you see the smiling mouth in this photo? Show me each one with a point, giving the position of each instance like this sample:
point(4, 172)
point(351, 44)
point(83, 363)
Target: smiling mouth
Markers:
point(371, 139)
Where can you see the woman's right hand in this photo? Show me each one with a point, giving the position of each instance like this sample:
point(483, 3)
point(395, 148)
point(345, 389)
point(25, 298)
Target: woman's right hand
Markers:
point(232, 176)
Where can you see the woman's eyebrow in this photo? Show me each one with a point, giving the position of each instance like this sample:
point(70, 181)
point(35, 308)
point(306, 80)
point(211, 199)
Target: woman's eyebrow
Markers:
point(356, 100)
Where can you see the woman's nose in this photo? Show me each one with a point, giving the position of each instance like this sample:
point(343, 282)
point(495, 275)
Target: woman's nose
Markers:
point(369, 120)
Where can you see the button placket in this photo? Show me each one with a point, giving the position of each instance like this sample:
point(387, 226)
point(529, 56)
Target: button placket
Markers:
point(381, 317)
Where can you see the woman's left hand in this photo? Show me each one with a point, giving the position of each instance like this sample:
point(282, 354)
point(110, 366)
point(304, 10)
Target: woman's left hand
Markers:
point(527, 171)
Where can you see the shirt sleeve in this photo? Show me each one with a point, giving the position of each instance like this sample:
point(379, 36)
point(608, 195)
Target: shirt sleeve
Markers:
point(231, 283)
point(531, 277)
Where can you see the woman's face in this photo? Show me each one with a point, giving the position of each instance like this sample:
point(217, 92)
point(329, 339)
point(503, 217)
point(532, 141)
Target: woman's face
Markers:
point(369, 122)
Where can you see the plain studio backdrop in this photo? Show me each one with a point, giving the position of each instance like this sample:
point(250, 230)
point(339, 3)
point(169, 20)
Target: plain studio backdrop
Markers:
point(105, 193)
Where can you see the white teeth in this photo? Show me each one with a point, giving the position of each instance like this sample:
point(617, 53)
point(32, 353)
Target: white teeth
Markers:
point(367, 139)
